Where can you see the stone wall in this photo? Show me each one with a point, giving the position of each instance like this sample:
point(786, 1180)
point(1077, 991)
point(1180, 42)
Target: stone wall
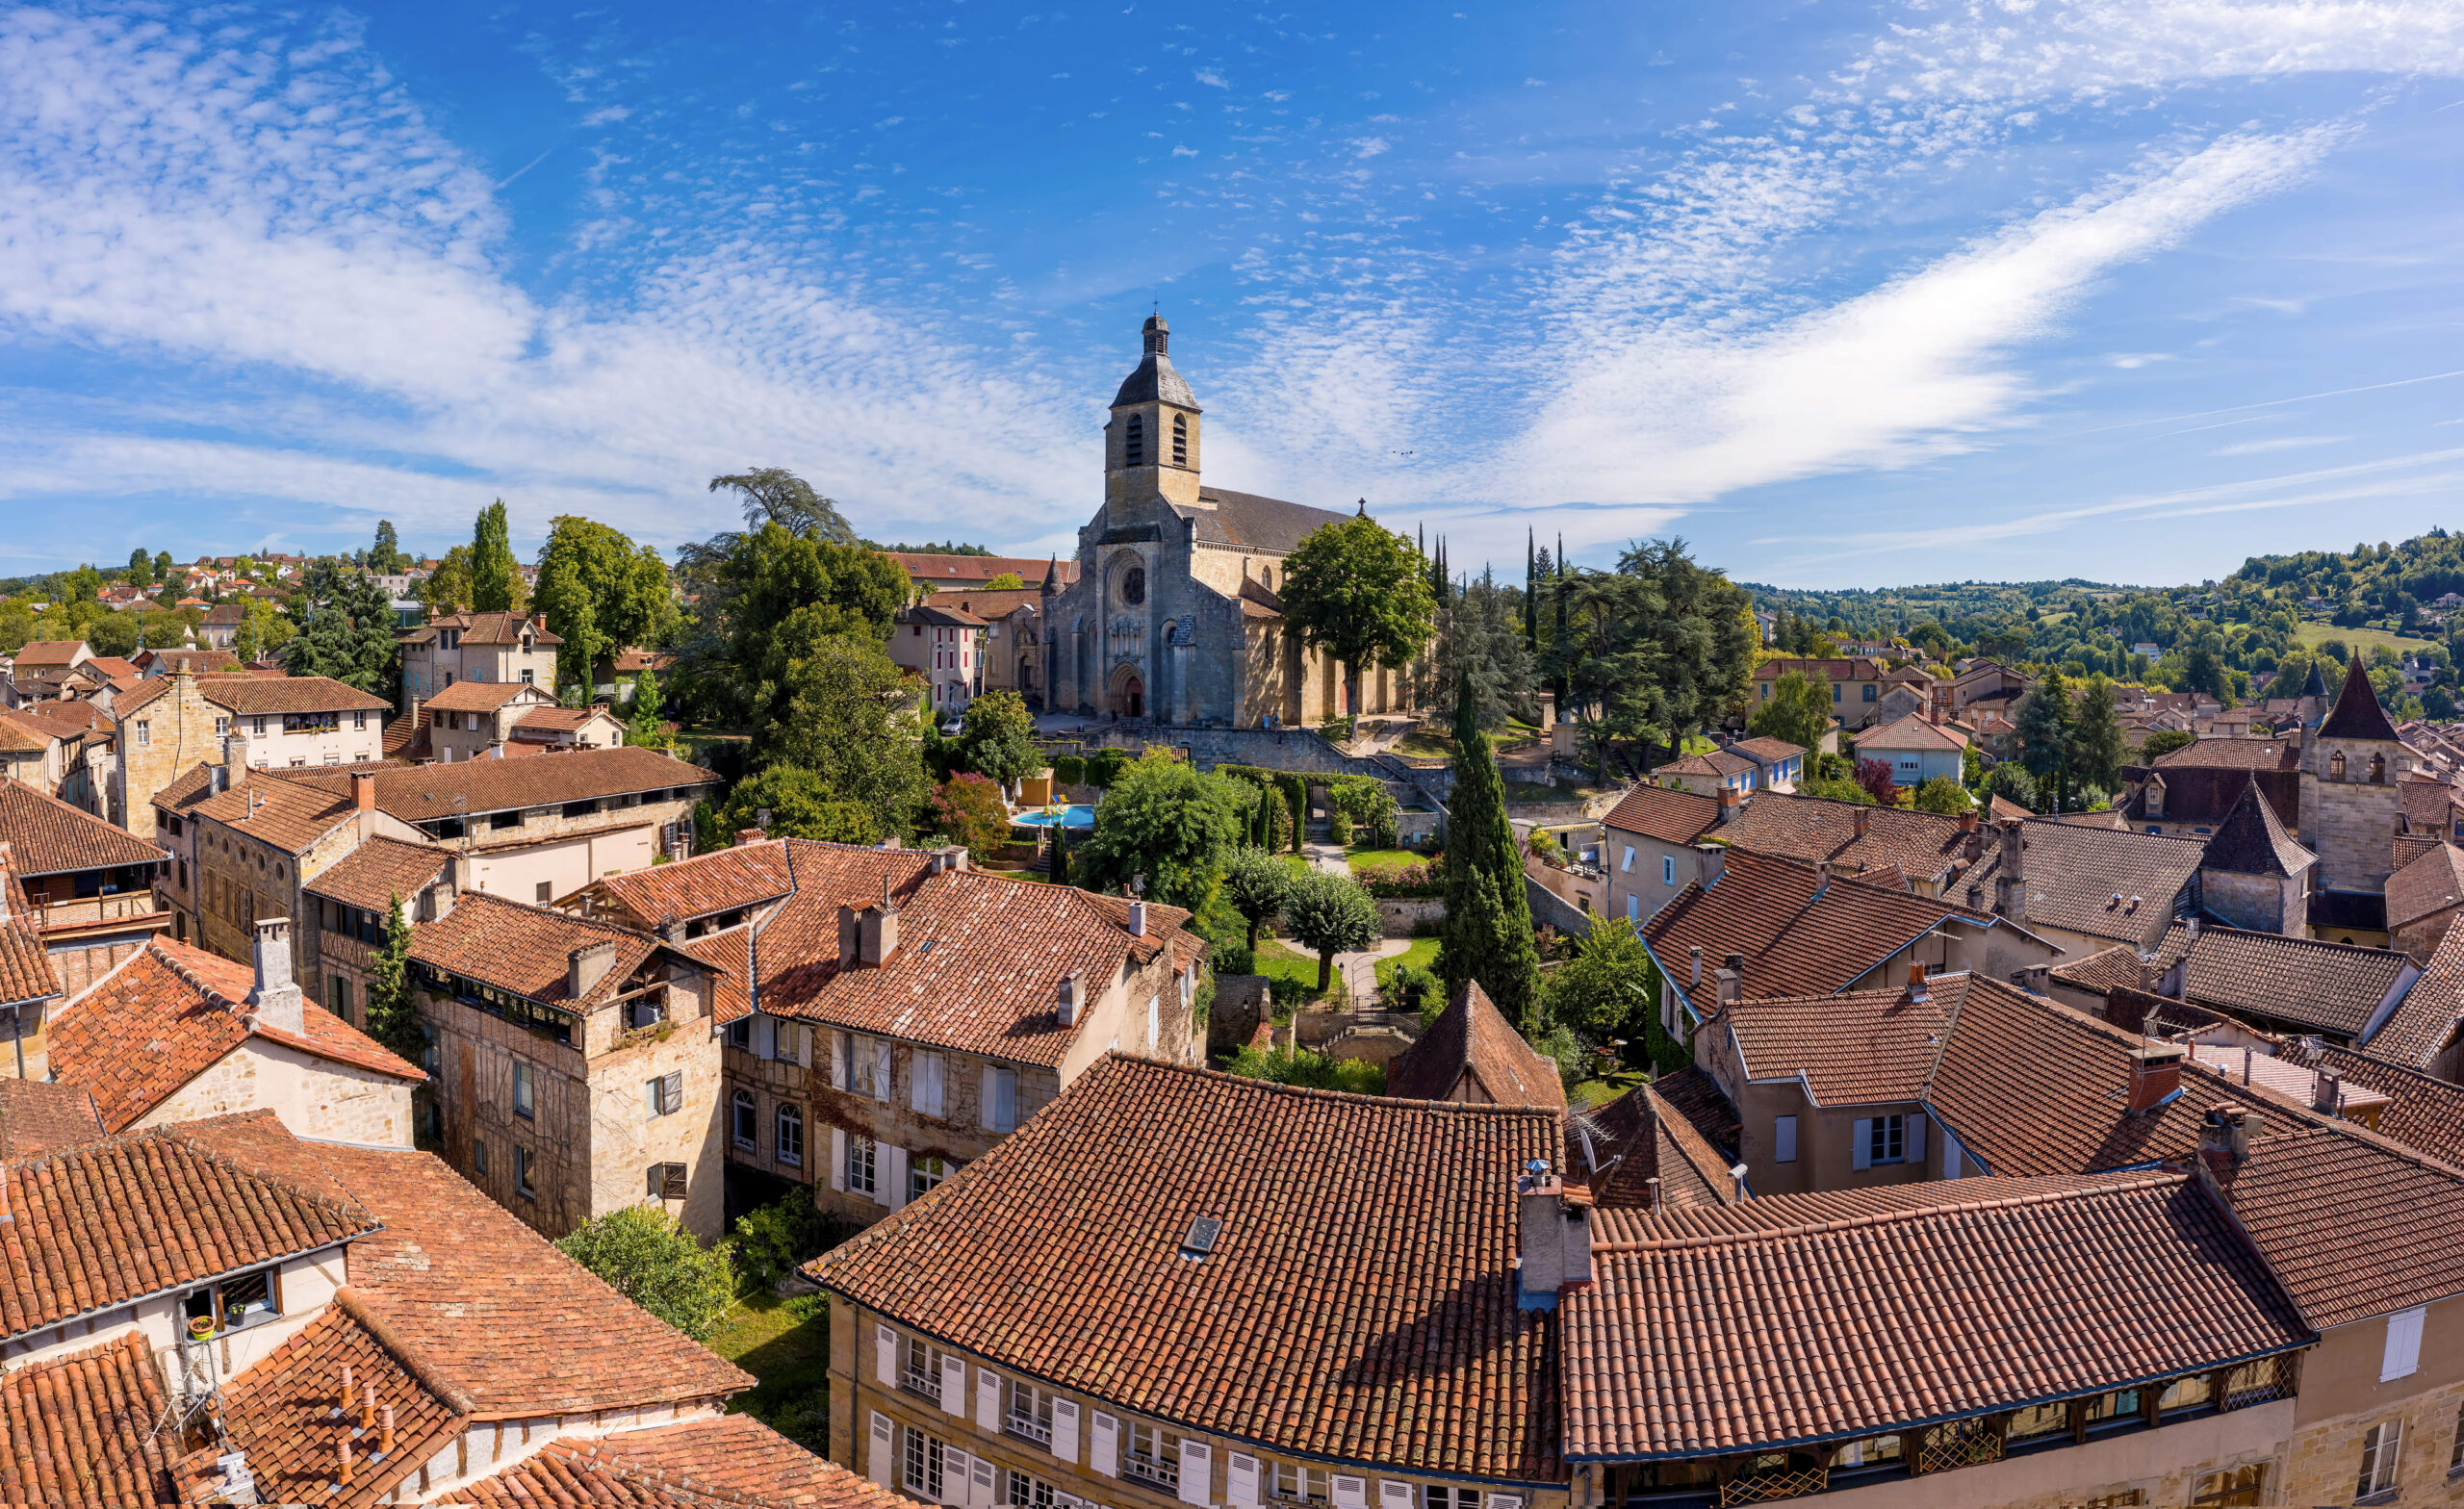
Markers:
point(314, 1097)
point(1549, 910)
point(2351, 823)
point(1403, 915)
point(2256, 903)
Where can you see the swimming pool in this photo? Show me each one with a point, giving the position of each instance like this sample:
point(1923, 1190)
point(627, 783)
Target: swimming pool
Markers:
point(1070, 817)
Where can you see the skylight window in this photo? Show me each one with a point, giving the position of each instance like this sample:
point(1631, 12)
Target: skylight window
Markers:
point(1201, 1238)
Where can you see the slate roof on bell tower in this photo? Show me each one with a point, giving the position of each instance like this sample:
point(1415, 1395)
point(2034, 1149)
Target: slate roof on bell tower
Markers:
point(1156, 380)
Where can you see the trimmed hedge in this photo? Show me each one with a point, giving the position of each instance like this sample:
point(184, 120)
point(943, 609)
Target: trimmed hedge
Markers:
point(1069, 770)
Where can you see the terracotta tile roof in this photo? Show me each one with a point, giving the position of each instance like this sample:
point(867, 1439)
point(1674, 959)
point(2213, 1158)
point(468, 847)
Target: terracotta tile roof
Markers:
point(169, 662)
point(20, 735)
point(47, 836)
point(632, 662)
point(527, 950)
point(496, 629)
point(26, 972)
point(1693, 1094)
point(292, 815)
point(727, 1461)
point(1366, 1245)
point(263, 695)
point(2231, 755)
point(1925, 845)
point(1766, 750)
point(990, 605)
point(2429, 806)
point(979, 956)
point(2023, 1292)
point(1853, 1049)
point(2432, 882)
point(170, 1012)
point(1797, 940)
point(2354, 1224)
point(1618, 1149)
point(2252, 840)
point(1473, 1054)
point(51, 651)
point(947, 618)
point(551, 720)
point(37, 1116)
point(425, 793)
point(283, 1412)
point(2334, 988)
point(2357, 714)
point(722, 879)
point(1916, 732)
point(957, 569)
point(492, 1308)
point(2072, 873)
point(2422, 1111)
point(79, 1432)
point(730, 954)
point(371, 876)
point(2102, 970)
point(79, 1243)
point(110, 668)
point(1713, 762)
point(482, 696)
point(2424, 1022)
point(1669, 815)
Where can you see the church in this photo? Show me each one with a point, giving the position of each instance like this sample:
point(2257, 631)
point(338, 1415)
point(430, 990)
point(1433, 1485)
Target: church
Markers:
point(1174, 618)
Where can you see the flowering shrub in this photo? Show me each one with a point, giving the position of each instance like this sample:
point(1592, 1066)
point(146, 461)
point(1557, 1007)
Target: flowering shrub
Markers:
point(1410, 880)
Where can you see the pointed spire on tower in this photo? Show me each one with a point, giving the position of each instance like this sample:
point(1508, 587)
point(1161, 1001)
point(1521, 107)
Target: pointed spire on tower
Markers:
point(1052, 578)
point(2357, 714)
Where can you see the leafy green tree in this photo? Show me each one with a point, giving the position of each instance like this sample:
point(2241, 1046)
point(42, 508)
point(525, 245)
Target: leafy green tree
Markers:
point(2164, 741)
point(2096, 749)
point(1006, 581)
point(17, 626)
point(2044, 729)
point(774, 494)
point(392, 1019)
point(1606, 990)
point(766, 599)
point(1941, 794)
point(1479, 636)
point(845, 718)
point(1293, 1065)
point(968, 810)
point(141, 568)
point(645, 1255)
point(601, 593)
point(386, 556)
point(1653, 651)
point(645, 722)
point(349, 631)
point(2011, 783)
point(787, 802)
point(1799, 711)
point(447, 588)
point(495, 577)
point(1487, 932)
point(111, 634)
point(1355, 590)
point(1168, 821)
point(1256, 882)
point(162, 564)
point(997, 738)
point(1328, 915)
point(263, 631)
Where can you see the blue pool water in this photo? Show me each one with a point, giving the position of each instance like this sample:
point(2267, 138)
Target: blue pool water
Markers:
point(1071, 817)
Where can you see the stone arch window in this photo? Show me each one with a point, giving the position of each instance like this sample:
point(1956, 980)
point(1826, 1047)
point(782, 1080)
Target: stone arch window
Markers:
point(1265, 577)
point(2336, 766)
point(1133, 445)
point(1133, 585)
point(1180, 439)
point(2379, 770)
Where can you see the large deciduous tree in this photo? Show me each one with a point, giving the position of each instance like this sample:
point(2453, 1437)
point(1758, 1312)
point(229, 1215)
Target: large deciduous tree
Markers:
point(495, 577)
point(1359, 592)
point(843, 714)
point(1798, 711)
point(2095, 749)
point(1162, 818)
point(1651, 651)
point(447, 588)
point(1256, 882)
point(766, 599)
point(1330, 914)
point(997, 738)
point(1487, 932)
point(790, 802)
point(646, 1254)
point(601, 592)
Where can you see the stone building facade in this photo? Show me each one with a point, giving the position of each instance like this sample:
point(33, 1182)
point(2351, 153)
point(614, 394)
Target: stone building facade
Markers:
point(1175, 616)
point(2353, 808)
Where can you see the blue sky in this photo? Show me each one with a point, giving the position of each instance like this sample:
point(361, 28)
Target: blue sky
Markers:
point(1846, 295)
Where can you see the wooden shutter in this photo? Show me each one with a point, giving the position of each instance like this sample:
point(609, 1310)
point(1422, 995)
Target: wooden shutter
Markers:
point(988, 1402)
point(885, 1356)
point(1392, 1494)
point(953, 1386)
point(1783, 1135)
point(1861, 1145)
point(675, 1182)
point(956, 1465)
point(985, 1106)
point(1241, 1480)
point(880, 1070)
point(838, 1158)
point(891, 1188)
point(764, 1035)
point(980, 1478)
point(1916, 1138)
point(1351, 1493)
point(1064, 1429)
point(1198, 1473)
point(839, 1053)
point(1950, 1158)
point(883, 1465)
point(671, 1092)
point(1104, 1456)
point(2403, 1355)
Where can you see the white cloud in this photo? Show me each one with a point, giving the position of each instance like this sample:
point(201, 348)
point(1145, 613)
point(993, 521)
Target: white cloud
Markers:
point(1211, 79)
point(1368, 146)
point(2260, 447)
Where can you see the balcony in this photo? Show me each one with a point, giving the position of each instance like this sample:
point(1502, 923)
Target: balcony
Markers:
point(1146, 1470)
point(1027, 1427)
point(918, 1382)
point(86, 911)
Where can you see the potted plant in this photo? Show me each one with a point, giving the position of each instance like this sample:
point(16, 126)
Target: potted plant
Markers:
point(200, 1328)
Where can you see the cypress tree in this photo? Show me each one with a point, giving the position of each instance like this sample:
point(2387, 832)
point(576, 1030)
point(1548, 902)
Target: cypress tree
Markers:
point(1487, 932)
point(1530, 591)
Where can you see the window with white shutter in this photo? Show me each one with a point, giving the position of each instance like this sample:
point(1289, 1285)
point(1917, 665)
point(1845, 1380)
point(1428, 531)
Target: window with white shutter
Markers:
point(988, 1401)
point(882, 1466)
point(1064, 1429)
point(1350, 1493)
point(1000, 1099)
point(1104, 1454)
point(953, 1384)
point(838, 1158)
point(1627, 864)
point(1392, 1494)
point(1784, 1139)
point(840, 1053)
point(1241, 1480)
point(880, 1071)
point(2403, 1354)
point(1198, 1473)
point(983, 1479)
point(924, 1088)
point(885, 1356)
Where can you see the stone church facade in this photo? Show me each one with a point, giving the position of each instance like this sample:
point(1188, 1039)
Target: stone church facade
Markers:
point(1173, 617)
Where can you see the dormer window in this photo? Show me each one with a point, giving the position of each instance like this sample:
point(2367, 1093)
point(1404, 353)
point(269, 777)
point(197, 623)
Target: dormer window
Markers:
point(1133, 449)
point(1180, 439)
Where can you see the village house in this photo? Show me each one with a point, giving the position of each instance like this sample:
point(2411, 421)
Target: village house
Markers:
point(170, 723)
point(2424, 899)
point(43, 666)
point(1916, 748)
point(220, 627)
point(1749, 765)
point(612, 675)
point(88, 887)
point(969, 573)
point(946, 649)
point(1856, 683)
point(1012, 634)
point(476, 647)
point(469, 719)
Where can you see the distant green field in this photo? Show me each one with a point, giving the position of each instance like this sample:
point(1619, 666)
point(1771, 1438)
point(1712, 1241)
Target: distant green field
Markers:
point(2311, 635)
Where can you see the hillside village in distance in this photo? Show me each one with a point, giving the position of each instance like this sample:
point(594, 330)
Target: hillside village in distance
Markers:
point(1238, 1013)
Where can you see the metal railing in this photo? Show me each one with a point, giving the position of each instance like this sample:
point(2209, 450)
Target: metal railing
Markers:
point(1147, 1470)
point(1027, 1427)
point(916, 1380)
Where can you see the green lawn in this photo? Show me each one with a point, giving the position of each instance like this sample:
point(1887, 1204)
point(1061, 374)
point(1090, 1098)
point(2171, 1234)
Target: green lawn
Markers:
point(1279, 958)
point(785, 1345)
point(1386, 859)
point(1608, 1087)
point(2311, 635)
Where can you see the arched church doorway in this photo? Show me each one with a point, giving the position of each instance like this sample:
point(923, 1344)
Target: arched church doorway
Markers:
point(1129, 693)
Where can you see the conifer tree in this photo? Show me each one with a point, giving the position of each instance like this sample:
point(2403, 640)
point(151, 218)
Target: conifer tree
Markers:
point(1487, 932)
point(2044, 731)
point(392, 1019)
point(495, 579)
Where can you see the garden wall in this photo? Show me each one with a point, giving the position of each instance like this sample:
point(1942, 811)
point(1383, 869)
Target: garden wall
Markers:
point(1403, 915)
point(1549, 910)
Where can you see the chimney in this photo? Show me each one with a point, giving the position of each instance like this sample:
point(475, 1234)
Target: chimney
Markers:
point(1138, 919)
point(877, 930)
point(1650, 1194)
point(850, 934)
point(275, 1001)
point(1555, 1239)
point(2326, 1092)
point(1967, 821)
point(1736, 1176)
point(1696, 954)
point(2155, 1075)
point(1917, 980)
point(465, 873)
point(1732, 802)
point(586, 966)
point(1732, 980)
point(2224, 1139)
point(1712, 862)
point(1863, 819)
point(2191, 927)
point(2010, 885)
point(1067, 1008)
point(363, 797)
point(2038, 978)
point(951, 858)
point(1821, 876)
point(749, 836)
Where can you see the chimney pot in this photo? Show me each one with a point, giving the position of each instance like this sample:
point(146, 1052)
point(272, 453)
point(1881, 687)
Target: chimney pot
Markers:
point(275, 999)
point(1821, 876)
point(1138, 919)
point(749, 836)
point(1738, 1174)
point(1650, 1194)
point(850, 934)
point(1967, 821)
point(363, 790)
point(1732, 980)
point(1696, 955)
point(1555, 1240)
point(2326, 1092)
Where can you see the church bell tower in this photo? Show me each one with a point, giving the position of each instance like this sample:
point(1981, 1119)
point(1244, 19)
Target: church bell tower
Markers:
point(1150, 447)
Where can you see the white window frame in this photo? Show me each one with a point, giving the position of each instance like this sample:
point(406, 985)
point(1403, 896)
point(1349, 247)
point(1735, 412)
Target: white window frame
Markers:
point(2402, 1355)
point(864, 1166)
point(788, 1116)
point(1626, 865)
point(526, 1092)
point(744, 1120)
point(2382, 1459)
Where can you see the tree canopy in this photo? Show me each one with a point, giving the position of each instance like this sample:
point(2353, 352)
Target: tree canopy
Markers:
point(495, 577)
point(1359, 592)
point(998, 738)
point(1486, 935)
point(348, 632)
point(645, 1255)
point(1650, 652)
point(1328, 915)
point(1480, 636)
point(844, 717)
point(1256, 882)
point(767, 599)
point(447, 588)
point(1164, 819)
point(790, 802)
point(774, 494)
point(601, 593)
point(1798, 711)
point(1608, 989)
point(387, 556)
